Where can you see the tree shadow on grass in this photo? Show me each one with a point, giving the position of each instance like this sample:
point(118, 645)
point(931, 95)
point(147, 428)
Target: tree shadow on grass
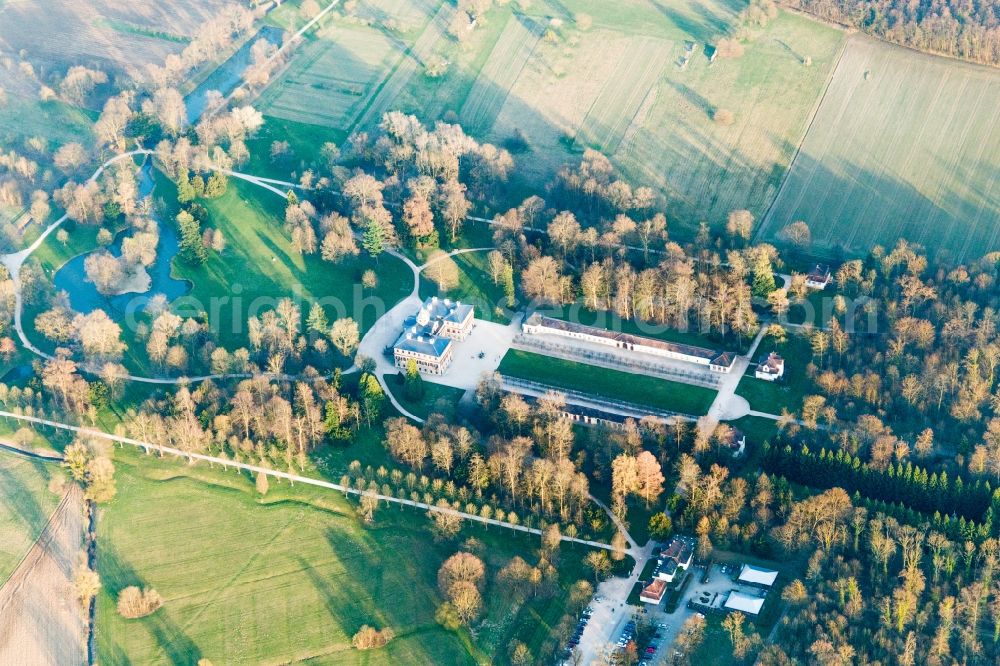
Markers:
point(25, 506)
point(704, 28)
point(693, 96)
point(850, 208)
point(117, 574)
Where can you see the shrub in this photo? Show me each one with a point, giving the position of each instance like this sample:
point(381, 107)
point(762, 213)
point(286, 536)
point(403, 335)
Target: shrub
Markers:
point(723, 117)
point(135, 603)
point(369, 638)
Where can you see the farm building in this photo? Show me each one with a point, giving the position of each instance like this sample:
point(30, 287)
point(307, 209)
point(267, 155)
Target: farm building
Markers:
point(715, 360)
point(770, 368)
point(427, 337)
point(653, 593)
point(818, 277)
point(757, 576)
point(737, 601)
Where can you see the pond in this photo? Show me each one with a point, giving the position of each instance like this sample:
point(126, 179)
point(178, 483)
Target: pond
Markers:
point(228, 75)
point(83, 295)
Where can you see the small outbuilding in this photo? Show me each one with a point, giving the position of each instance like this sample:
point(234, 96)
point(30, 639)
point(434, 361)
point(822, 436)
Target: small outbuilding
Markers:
point(653, 593)
point(770, 368)
point(818, 277)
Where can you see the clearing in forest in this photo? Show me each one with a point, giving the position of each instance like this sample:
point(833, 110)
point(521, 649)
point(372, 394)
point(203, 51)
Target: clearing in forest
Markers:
point(905, 145)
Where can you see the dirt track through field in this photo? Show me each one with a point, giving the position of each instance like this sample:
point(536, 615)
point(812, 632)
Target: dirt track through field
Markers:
point(40, 620)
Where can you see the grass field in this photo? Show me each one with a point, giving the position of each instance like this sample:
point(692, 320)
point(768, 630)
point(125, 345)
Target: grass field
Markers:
point(328, 81)
point(602, 382)
point(510, 54)
point(438, 398)
point(291, 580)
point(708, 169)
point(905, 145)
point(24, 116)
point(114, 36)
point(25, 507)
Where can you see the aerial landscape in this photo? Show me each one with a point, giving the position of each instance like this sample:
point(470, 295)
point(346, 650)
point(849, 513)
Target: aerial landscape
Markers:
point(514, 332)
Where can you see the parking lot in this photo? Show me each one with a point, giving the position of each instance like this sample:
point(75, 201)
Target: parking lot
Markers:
point(609, 623)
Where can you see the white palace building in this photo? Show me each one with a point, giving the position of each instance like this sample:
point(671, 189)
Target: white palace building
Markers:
point(715, 360)
point(428, 337)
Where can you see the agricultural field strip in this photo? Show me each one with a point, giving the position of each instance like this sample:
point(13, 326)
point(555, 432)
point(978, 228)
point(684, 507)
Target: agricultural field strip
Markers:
point(304, 93)
point(939, 185)
point(623, 95)
point(898, 137)
point(507, 60)
point(224, 462)
point(39, 620)
point(900, 152)
point(967, 186)
point(381, 99)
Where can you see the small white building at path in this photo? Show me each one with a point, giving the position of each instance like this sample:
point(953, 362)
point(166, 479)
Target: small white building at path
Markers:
point(771, 368)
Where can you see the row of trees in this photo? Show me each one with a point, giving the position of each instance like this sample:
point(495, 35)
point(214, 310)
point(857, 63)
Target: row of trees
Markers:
point(911, 485)
point(967, 30)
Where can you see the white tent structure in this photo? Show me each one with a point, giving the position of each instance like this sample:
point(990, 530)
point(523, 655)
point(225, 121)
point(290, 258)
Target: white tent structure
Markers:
point(752, 575)
point(737, 601)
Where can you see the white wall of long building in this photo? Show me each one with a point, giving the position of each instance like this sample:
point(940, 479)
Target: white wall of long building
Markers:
point(655, 351)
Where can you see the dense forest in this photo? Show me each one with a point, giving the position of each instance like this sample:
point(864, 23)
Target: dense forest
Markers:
point(967, 29)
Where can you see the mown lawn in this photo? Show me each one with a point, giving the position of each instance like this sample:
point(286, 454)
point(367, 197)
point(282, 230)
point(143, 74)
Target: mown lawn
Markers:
point(787, 392)
point(291, 577)
point(602, 382)
point(474, 286)
point(259, 267)
point(25, 506)
point(437, 399)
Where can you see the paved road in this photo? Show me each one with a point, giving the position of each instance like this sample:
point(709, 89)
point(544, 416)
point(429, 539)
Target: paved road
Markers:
point(728, 406)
